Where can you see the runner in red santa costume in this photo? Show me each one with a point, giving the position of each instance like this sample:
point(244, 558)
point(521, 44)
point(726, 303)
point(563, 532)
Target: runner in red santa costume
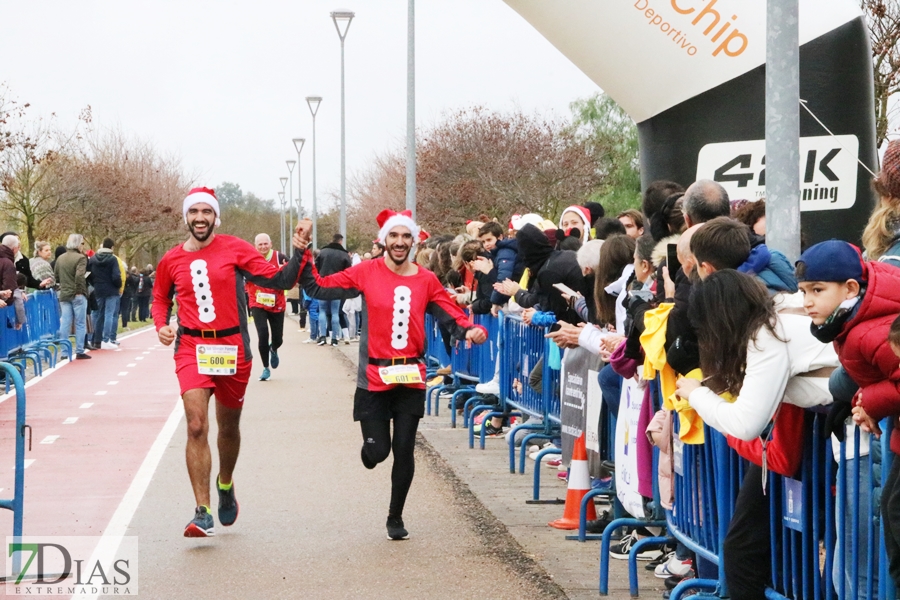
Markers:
point(391, 381)
point(212, 347)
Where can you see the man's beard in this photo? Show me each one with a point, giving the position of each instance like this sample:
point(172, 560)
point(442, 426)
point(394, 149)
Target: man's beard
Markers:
point(205, 236)
point(390, 255)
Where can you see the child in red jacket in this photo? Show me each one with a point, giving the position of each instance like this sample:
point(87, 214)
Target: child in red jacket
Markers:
point(853, 303)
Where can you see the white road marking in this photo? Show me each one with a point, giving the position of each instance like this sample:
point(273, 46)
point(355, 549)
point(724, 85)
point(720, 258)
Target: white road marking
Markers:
point(86, 405)
point(49, 439)
point(123, 373)
point(138, 358)
point(70, 421)
point(145, 352)
point(111, 382)
point(118, 525)
point(131, 365)
point(101, 393)
point(27, 463)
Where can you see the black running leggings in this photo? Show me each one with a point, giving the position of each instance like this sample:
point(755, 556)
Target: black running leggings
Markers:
point(377, 444)
point(263, 320)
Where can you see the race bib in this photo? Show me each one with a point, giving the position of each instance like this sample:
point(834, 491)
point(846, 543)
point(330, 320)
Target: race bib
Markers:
point(265, 299)
point(215, 359)
point(400, 374)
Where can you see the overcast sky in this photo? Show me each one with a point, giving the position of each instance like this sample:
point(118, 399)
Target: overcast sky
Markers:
point(221, 84)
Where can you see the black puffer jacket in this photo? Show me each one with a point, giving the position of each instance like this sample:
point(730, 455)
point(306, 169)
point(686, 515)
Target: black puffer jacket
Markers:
point(548, 267)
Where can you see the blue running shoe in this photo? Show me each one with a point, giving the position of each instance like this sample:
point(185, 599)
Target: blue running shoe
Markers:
point(273, 357)
point(265, 375)
point(201, 525)
point(228, 505)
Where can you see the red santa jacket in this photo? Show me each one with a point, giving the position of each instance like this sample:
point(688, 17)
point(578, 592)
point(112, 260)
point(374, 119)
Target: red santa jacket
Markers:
point(864, 350)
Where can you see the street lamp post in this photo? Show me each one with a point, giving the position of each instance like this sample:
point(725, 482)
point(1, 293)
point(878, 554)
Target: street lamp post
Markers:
point(313, 102)
point(342, 19)
point(281, 214)
point(298, 145)
point(411, 110)
point(283, 181)
point(290, 202)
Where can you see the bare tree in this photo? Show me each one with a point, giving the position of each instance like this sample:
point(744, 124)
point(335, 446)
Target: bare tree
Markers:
point(883, 17)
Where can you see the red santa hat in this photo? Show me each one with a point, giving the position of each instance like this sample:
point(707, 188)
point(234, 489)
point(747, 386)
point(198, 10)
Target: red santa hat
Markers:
point(423, 236)
point(198, 195)
point(585, 215)
point(388, 219)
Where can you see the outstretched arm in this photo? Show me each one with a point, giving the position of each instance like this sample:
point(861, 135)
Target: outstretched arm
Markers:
point(339, 286)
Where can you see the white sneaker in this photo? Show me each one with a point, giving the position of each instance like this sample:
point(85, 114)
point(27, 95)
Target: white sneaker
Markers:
point(309, 341)
point(673, 566)
point(488, 387)
point(108, 346)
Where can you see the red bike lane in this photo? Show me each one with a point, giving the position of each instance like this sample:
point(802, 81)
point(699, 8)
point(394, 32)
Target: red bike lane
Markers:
point(93, 423)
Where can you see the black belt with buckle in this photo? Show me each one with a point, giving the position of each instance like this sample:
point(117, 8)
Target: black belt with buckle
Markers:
point(400, 360)
point(210, 333)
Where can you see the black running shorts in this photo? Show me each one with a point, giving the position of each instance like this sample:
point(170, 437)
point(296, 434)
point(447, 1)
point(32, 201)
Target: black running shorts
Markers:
point(382, 406)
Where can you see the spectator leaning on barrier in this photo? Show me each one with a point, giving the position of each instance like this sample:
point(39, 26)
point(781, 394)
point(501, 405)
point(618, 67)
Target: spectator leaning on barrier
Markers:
point(853, 303)
point(40, 268)
point(754, 354)
point(71, 271)
point(23, 265)
point(106, 277)
point(8, 284)
point(546, 267)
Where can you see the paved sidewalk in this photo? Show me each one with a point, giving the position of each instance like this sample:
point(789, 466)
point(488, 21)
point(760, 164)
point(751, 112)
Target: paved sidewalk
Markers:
point(573, 565)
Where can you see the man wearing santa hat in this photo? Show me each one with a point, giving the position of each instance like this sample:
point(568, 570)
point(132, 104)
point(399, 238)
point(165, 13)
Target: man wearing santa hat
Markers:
point(391, 380)
point(212, 350)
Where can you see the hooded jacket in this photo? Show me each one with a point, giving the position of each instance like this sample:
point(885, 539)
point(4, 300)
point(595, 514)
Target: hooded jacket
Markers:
point(508, 265)
point(770, 266)
point(547, 266)
point(865, 352)
point(332, 259)
point(106, 277)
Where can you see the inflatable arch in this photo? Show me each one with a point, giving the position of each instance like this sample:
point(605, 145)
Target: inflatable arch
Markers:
point(691, 73)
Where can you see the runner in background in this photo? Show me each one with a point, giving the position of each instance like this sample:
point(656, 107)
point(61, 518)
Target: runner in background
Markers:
point(267, 308)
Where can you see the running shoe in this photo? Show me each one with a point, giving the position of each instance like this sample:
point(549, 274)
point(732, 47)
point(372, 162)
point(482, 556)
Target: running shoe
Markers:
point(82, 356)
point(651, 566)
point(491, 431)
point(334, 342)
point(321, 341)
point(265, 375)
point(228, 505)
point(599, 525)
point(395, 529)
point(623, 549)
point(365, 459)
point(674, 567)
point(273, 357)
point(672, 581)
point(201, 525)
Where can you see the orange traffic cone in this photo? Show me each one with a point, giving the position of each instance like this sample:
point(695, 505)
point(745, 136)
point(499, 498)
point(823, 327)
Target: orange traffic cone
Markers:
point(579, 484)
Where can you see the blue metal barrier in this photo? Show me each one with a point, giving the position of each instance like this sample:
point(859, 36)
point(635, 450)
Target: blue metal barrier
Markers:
point(17, 503)
point(521, 348)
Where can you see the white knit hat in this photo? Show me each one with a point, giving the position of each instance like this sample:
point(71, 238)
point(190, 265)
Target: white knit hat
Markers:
point(198, 195)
